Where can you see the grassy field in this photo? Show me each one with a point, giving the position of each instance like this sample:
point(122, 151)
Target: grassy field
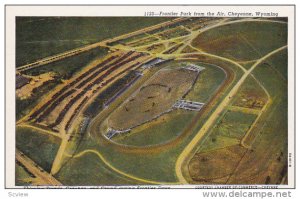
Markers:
point(40, 147)
point(140, 165)
point(22, 175)
point(261, 164)
point(270, 162)
point(215, 166)
point(68, 67)
point(38, 37)
point(278, 64)
point(251, 95)
point(229, 130)
point(243, 41)
point(89, 170)
point(235, 124)
point(161, 130)
point(277, 87)
point(207, 83)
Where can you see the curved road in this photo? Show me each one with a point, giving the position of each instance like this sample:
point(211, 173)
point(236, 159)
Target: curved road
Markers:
point(211, 120)
point(117, 170)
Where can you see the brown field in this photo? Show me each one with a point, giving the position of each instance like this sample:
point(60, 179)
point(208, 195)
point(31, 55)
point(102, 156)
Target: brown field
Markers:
point(154, 98)
point(251, 95)
point(188, 49)
point(257, 166)
point(242, 41)
point(215, 165)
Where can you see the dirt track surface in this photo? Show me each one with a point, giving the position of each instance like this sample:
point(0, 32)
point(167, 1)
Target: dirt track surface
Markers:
point(154, 98)
point(95, 124)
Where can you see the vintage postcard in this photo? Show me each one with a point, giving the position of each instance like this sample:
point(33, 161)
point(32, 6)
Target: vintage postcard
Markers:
point(150, 96)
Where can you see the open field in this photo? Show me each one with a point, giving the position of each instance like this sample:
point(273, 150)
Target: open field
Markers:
point(222, 145)
point(209, 81)
point(89, 170)
point(260, 164)
point(215, 166)
point(188, 101)
point(32, 42)
point(40, 147)
point(159, 131)
point(232, 125)
point(230, 129)
point(251, 95)
point(23, 177)
point(243, 41)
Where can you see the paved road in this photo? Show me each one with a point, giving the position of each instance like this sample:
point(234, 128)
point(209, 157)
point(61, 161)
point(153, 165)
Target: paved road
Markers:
point(32, 167)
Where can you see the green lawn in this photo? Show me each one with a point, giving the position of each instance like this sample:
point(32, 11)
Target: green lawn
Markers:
point(209, 80)
point(158, 133)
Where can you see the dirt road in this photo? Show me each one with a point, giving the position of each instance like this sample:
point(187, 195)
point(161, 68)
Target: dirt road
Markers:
point(213, 117)
point(32, 167)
